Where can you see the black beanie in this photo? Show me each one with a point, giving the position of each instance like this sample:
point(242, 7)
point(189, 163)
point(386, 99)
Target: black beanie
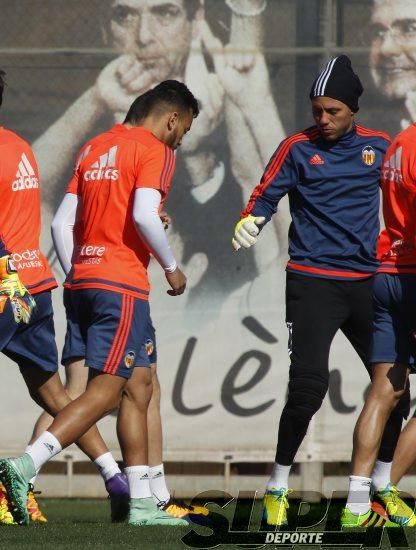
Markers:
point(338, 81)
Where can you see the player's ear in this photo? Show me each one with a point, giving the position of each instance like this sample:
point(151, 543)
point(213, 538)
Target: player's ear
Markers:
point(173, 120)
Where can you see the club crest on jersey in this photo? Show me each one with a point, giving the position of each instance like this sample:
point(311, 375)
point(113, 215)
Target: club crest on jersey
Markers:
point(368, 155)
point(129, 359)
point(149, 347)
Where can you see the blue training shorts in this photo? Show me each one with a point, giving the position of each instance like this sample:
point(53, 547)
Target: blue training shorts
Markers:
point(108, 329)
point(394, 334)
point(32, 344)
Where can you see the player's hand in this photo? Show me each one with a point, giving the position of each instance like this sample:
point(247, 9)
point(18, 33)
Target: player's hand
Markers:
point(11, 288)
point(246, 232)
point(165, 219)
point(177, 282)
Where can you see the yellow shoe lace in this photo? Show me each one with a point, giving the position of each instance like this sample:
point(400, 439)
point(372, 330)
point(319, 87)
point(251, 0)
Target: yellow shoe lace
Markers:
point(33, 509)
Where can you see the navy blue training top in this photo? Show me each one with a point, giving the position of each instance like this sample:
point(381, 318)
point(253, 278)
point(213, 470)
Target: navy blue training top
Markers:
point(333, 190)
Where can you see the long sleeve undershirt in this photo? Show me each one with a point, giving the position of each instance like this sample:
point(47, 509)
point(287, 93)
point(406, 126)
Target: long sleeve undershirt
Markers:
point(145, 218)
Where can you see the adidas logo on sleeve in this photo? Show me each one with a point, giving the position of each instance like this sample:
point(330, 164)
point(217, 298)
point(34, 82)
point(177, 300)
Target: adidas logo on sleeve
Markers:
point(104, 168)
point(26, 177)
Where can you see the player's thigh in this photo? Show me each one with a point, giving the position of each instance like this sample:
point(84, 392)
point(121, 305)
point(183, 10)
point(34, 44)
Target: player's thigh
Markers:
point(76, 377)
point(145, 367)
point(358, 328)
point(77, 320)
point(147, 356)
point(8, 326)
point(33, 344)
point(116, 332)
point(315, 310)
point(393, 340)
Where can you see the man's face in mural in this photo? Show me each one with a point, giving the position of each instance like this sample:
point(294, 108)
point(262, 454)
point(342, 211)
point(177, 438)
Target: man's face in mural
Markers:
point(156, 32)
point(393, 47)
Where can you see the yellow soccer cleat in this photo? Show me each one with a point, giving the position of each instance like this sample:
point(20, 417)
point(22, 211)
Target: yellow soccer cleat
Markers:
point(397, 510)
point(180, 509)
point(5, 516)
point(275, 506)
point(33, 509)
point(375, 517)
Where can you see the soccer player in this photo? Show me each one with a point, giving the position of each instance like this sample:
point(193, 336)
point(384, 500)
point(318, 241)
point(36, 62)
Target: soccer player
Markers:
point(151, 439)
point(331, 173)
point(113, 203)
point(394, 347)
point(27, 334)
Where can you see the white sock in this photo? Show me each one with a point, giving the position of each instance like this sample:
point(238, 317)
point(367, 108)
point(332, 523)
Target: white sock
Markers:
point(358, 501)
point(279, 477)
point(380, 477)
point(139, 482)
point(158, 483)
point(107, 466)
point(43, 449)
point(33, 480)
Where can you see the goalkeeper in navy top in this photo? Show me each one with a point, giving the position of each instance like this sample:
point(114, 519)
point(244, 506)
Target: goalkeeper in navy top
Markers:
point(331, 173)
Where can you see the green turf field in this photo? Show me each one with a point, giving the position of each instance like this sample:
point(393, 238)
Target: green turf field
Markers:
point(78, 524)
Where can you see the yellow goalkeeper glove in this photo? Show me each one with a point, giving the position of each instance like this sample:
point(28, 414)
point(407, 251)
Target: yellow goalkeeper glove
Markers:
point(12, 288)
point(246, 231)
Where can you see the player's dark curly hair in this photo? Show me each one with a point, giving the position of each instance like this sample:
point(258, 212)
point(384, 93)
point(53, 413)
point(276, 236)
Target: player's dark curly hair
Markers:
point(2, 84)
point(170, 93)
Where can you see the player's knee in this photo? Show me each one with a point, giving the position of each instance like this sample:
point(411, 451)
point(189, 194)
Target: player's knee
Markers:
point(307, 391)
point(139, 392)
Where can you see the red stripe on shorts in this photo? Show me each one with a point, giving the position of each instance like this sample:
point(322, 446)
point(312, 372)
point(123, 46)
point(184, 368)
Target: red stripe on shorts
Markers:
point(122, 333)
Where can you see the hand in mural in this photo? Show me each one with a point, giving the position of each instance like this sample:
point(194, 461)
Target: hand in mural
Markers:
point(197, 264)
point(243, 74)
point(121, 81)
point(207, 89)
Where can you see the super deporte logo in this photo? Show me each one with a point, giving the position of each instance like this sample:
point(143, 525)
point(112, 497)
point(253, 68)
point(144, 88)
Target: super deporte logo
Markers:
point(103, 169)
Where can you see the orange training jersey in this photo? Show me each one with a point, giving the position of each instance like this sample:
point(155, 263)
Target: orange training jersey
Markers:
point(109, 252)
point(20, 219)
point(397, 243)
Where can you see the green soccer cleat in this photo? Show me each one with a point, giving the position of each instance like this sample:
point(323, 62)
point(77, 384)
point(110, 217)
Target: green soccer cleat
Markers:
point(372, 518)
point(15, 474)
point(397, 510)
point(143, 511)
point(275, 505)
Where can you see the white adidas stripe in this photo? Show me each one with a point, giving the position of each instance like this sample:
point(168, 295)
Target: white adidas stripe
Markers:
point(106, 160)
point(83, 155)
point(26, 162)
point(322, 79)
point(25, 169)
